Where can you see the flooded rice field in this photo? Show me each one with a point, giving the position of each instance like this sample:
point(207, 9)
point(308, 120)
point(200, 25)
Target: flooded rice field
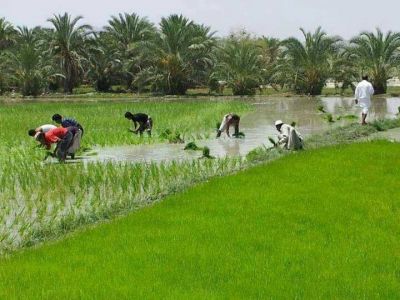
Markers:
point(257, 126)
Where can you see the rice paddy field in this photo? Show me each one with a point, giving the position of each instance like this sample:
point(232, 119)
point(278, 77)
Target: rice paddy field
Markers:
point(232, 227)
point(40, 201)
point(272, 231)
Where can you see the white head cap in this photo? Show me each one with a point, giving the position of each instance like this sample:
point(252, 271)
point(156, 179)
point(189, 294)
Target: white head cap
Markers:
point(278, 122)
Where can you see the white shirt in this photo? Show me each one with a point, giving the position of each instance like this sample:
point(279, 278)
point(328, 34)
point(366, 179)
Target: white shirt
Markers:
point(47, 127)
point(364, 91)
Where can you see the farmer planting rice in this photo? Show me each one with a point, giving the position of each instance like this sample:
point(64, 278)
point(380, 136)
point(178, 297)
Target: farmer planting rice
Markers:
point(44, 128)
point(66, 122)
point(63, 137)
point(363, 94)
point(229, 120)
point(141, 122)
point(288, 137)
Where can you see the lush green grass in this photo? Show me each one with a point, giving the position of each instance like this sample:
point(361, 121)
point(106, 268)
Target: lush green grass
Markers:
point(105, 124)
point(318, 224)
point(87, 92)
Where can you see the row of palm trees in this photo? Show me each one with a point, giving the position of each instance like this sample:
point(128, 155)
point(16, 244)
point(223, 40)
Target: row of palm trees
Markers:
point(180, 54)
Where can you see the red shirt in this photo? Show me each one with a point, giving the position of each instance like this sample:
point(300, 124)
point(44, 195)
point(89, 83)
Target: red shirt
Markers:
point(54, 135)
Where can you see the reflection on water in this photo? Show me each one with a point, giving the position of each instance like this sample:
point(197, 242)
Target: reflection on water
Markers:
point(258, 125)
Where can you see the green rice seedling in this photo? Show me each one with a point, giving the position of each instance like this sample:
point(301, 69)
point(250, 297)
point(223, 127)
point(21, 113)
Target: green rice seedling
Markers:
point(192, 146)
point(347, 117)
point(206, 153)
point(240, 135)
point(293, 124)
point(272, 141)
point(329, 118)
point(321, 108)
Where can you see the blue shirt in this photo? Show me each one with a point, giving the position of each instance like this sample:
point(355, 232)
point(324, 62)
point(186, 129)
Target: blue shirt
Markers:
point(68, 122)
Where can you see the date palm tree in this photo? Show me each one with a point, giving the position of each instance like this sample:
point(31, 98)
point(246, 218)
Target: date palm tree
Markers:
point(7, 34)
point(7, 39)
point(305, 64)
point(378, 55)
point(270, 49)
point(239, 64)
point(103, 61)
point(128, 32)
point(29, 65)
point(180, 53)
point(67, 45)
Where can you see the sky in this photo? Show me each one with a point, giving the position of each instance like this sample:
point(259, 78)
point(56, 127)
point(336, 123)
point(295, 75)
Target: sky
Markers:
point(274, 18)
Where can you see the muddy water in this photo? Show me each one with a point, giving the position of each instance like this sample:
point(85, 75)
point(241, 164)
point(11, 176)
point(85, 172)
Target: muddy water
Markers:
point(257, 126)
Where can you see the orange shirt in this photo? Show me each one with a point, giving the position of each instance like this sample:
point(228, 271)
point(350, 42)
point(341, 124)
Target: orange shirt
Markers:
point(54, 135)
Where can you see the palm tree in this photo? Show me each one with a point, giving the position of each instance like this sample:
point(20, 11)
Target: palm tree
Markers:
point(180, 54)
point(29, 65)
point(7, 34)
point(270, 49)
point(305, 64)
point(239, 64)
point(7, 39)
point(103, 62)
point(68, 46)
point(376, 55)
point(128, 32)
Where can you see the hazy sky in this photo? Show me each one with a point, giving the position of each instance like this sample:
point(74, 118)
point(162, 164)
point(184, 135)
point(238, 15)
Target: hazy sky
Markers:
point(277, 18)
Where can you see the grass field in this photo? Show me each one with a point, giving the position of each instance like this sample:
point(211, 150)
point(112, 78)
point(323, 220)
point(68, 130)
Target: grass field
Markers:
point(318, 224)
point(41, 201)
point(89, 92)
point(105, 124)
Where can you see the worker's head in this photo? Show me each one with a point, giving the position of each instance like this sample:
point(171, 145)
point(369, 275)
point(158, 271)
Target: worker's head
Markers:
point(128, 115)
point(57, 118)
point(278, 124)
point(39, 136)
point(31, 132)
point(364, 77)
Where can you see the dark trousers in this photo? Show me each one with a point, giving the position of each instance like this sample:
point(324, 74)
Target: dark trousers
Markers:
point(63, 145)
point(148, 125)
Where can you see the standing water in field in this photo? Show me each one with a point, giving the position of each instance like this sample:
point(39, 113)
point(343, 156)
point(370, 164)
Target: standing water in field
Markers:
point(257, 126)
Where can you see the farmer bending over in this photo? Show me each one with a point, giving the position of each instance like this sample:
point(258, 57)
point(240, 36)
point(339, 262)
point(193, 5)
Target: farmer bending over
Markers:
point(66, 122)
point(43, 128)
point(229, 120)
point(63, 137)
point(288, 137)
point(141, 122)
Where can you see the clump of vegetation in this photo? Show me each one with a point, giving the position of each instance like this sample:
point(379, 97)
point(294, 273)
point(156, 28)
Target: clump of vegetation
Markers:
point(293, 124)
point(172, 137)
point(385, 124)
point(272, 141)
point(192, 146)
point(206, 153)
point(321, 109)
point(329, 118)
point(347, 117)
point(240, 135)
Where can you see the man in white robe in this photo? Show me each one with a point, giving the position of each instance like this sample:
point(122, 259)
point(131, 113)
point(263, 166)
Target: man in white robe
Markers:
point(363, 94)
point(288, 138)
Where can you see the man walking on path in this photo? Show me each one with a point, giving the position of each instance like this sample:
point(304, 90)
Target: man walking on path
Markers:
point(363, 94)
point(288, 137)
point(145, 122)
